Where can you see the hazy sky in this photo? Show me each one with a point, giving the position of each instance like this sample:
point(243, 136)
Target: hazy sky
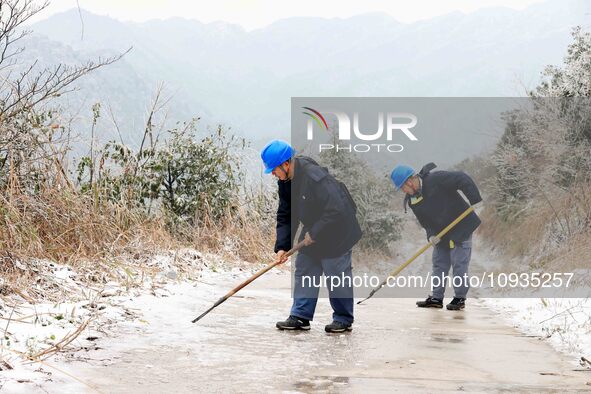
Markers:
point(253, 14)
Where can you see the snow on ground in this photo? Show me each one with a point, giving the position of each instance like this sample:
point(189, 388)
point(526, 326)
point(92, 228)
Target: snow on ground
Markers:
point(88, 313)
point(564, 322)
point(29, 329)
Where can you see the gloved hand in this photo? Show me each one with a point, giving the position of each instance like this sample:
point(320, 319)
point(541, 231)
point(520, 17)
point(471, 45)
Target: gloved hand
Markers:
point(434, 240)
point(308, 240)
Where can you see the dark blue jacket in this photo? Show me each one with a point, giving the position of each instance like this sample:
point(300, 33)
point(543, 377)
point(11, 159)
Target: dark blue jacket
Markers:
point(322, 205)
point(441, 203)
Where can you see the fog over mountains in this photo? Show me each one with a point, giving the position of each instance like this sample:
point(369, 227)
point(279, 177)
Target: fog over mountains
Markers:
point(223, 73)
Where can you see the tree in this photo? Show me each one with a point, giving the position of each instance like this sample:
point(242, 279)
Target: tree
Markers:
point(573, 79)
point(543, 161)
point(28, 131)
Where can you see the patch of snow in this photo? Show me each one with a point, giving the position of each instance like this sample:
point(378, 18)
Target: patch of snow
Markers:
point(564, 322)
point(30, 328)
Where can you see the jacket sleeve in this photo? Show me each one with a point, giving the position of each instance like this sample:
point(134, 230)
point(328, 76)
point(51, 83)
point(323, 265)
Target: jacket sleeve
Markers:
point(283, 229)
point(458, 180)
point(329, 198)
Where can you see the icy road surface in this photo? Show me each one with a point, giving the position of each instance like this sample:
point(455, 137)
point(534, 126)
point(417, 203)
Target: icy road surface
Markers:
point(394, 347)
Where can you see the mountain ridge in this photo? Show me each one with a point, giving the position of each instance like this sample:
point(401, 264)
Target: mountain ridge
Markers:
point(230, 75)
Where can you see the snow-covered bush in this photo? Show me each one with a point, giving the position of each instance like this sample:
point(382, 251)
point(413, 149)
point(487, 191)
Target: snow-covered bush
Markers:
point(543, 161)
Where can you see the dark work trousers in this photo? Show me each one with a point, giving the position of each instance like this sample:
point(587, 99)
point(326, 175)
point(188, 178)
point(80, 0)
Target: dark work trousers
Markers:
point(308, 277)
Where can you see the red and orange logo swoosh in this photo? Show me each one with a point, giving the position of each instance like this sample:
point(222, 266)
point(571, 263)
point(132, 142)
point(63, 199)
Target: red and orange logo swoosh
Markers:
point(317, 116)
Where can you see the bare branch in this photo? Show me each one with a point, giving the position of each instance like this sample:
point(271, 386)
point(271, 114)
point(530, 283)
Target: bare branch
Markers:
point(28, 92)
point(13, 14)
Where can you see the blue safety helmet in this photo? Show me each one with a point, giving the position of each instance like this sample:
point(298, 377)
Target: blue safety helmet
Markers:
point(400, 174)
point(276, 153)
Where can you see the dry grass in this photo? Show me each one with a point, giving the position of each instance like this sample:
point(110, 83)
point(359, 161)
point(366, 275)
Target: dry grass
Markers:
point(517, 237)
point(66, 226)
point(575, 254)
point(102, 239)
point(555, 231)
point(244, 233)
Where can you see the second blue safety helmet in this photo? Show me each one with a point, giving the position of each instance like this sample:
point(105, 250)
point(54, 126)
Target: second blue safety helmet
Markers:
point(276, 153)
point(400, 174)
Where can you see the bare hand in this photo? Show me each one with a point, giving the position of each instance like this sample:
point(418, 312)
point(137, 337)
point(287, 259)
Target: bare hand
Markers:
point(281, 256)
point(308, 240)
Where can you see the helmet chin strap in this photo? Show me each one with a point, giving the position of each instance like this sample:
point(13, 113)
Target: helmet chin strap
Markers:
point(284, 172)
point(412, 186)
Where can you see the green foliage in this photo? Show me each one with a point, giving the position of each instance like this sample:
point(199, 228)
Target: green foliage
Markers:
point(192, 179)
point(198, 177)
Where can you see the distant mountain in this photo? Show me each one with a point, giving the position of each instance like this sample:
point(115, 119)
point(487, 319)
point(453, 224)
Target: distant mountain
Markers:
point(245, 79)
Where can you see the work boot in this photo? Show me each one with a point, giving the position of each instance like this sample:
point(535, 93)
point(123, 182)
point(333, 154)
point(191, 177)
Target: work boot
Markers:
point(430, 303)
point(337, 326)
point(293, 323)
point(456, 304)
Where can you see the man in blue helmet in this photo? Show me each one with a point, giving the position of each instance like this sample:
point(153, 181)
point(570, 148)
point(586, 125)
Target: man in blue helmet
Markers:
point(435, 201)
point(309, 195)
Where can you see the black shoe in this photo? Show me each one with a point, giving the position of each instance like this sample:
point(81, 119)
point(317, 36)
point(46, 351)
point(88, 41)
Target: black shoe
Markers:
point(337, 326)
point(293, 323)
point(430, 303)
point(456, 304)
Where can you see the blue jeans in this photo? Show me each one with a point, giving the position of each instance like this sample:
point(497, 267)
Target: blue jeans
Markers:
point(308, 276)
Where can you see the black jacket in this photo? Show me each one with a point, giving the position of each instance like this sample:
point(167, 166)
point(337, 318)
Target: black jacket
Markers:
point(324, 207)
point(441, 203)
